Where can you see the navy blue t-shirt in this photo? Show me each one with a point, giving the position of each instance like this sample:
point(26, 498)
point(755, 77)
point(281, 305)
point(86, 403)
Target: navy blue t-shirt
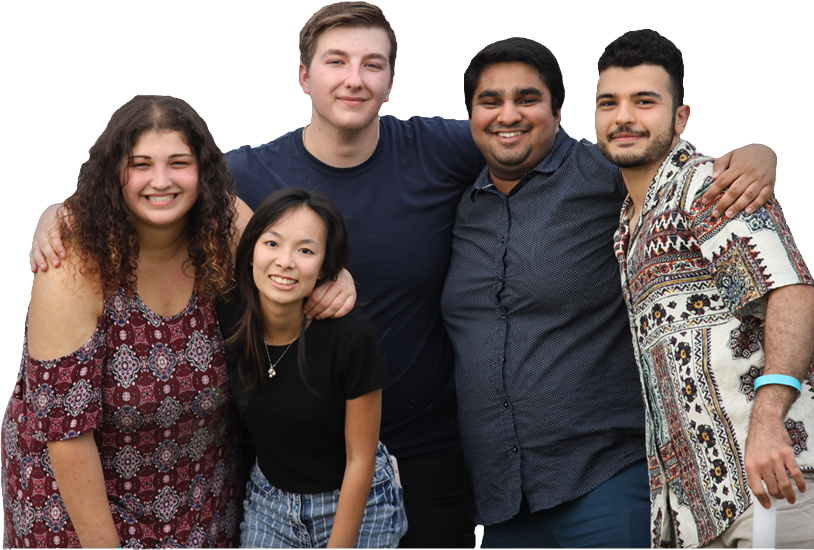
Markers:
point(399, 205)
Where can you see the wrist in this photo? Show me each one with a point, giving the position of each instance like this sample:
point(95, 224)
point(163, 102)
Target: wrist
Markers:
point(777, 379)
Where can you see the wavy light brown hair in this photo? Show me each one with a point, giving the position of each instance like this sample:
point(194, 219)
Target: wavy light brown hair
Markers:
point(102, 233)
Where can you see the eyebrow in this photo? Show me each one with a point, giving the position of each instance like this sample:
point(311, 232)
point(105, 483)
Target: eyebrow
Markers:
point(343, 53)
point(531, 90)
point(303, 241)
point(174, 155)
point(646, 93)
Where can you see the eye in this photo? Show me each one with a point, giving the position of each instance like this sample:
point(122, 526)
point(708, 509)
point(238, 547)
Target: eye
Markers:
point(306, 251)
point(374, 66)
point(271, 244)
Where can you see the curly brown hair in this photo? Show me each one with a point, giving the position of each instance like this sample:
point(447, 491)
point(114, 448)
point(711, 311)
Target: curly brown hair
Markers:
point(102, 232)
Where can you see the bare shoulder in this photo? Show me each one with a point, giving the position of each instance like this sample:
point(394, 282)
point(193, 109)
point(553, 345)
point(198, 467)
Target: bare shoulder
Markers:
point(65, 308)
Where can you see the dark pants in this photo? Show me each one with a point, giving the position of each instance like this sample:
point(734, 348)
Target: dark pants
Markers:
point(438, 500)
point(614, 515)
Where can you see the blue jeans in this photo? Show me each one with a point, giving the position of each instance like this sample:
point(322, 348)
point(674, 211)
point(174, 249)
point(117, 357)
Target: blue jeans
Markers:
point(274, 518)
point(614, 515)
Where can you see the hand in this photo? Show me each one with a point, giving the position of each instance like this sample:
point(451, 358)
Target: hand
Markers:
point(332, 298)
point(748, 175)
point(769, 454)
point(47, 245)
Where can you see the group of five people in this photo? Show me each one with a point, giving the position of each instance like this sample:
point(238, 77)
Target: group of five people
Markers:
point(497, 328)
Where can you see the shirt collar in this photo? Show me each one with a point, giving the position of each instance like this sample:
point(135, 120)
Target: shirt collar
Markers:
point(550, 164)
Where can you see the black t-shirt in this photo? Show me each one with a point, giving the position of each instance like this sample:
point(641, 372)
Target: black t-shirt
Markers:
point(299, 436)
point(399, 205)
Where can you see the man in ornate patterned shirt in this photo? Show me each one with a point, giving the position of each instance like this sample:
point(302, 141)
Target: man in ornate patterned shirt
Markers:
point(722, 316)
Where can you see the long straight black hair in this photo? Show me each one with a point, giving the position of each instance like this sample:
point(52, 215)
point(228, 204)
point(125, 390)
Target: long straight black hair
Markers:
point(248, 336)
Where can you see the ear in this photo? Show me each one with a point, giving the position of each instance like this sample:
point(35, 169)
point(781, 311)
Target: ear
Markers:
point(682, 116)
point(557, 121)
point(387, 95)
point(303, 78)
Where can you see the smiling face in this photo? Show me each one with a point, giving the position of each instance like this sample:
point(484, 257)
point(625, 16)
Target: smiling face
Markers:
point(512, 122)
point(349, 77)
point(161, 180)
point(636, 122)
point(287, 259)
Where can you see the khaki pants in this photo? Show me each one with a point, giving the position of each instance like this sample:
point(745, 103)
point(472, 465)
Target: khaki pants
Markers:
point(795, 523)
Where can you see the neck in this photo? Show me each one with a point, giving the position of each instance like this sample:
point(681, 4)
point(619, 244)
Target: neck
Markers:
point(281, 322)
point(637, 181)
point(160, 246)
point(504, 186)
point(340, 148)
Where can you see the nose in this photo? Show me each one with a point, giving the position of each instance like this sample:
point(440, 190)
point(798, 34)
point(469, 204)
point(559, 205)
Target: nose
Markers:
point(353, 77)
point(284, 259)
point(162, 178)
point(624, 115)
point(509, 114)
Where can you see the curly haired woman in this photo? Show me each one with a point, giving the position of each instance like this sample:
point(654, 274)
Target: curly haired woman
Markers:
point(120, 430)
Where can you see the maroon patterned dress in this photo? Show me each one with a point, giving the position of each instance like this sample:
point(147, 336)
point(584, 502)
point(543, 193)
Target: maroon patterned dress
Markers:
point(155, 392)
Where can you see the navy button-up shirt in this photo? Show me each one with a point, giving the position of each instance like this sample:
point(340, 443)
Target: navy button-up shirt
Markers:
point(549, 397)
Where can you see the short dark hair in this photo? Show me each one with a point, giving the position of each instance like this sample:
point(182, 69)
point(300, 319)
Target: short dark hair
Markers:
point(248, 336)
point(344, 14)
point(647, 47)
point(521, 50)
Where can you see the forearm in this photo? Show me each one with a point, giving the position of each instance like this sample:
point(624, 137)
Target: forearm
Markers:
point(769, 457)
point(789, 344)
point(78, 472)
point(352, 501)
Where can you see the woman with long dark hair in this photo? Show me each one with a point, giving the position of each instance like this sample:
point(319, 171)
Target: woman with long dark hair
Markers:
point(120, 430)
point(309, 391)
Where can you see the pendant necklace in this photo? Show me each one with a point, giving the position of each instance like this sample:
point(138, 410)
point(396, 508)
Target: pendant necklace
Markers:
point(272, 372)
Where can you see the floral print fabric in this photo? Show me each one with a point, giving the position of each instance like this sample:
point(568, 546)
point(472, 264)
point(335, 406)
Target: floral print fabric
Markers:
point(696, 290)
point(155, 392)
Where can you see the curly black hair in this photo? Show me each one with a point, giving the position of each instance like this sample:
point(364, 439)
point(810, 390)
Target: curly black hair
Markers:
point(647, 47)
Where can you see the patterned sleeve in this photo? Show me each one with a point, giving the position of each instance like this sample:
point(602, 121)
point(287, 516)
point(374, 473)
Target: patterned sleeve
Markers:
point(748, 255)
point(64, 395)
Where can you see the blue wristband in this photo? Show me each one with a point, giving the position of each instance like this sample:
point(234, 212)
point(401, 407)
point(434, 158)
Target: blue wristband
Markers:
point(782, 379)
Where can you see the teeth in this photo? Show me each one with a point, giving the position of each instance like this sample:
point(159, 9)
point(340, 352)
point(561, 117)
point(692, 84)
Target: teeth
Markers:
point(165, 198)
point(282, 280)
point(509, 134)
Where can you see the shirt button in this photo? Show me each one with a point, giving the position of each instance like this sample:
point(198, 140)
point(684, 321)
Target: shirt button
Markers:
point(514, 449)
point(506, 404)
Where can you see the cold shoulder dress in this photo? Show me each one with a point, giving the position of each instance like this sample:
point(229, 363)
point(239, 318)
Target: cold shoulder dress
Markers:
point(155, 392)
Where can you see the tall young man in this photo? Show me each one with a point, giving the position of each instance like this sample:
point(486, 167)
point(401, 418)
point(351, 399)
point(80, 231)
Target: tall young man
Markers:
point(722, 315)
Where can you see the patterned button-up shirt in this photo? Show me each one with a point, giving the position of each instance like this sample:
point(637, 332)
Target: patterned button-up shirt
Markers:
point(696, 289)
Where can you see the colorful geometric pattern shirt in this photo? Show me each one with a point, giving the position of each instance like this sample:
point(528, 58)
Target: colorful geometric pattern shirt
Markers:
point(155, 393)
point(696, 289)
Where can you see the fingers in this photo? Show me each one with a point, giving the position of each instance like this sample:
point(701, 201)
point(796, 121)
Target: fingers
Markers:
point(777, 472)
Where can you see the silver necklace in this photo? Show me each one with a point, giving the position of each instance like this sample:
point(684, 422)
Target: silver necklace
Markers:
point(272, 372)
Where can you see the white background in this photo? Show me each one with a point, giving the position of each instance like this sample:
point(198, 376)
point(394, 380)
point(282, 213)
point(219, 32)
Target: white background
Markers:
point(66, 66)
